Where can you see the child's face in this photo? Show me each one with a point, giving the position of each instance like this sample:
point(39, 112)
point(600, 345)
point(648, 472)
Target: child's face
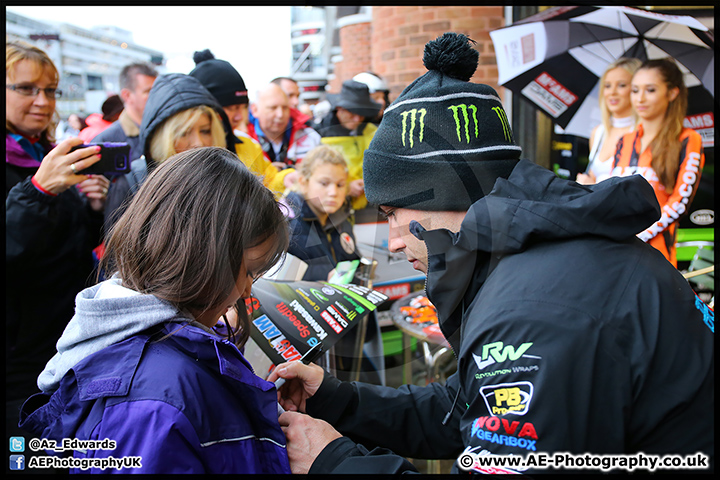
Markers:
point(326, 188)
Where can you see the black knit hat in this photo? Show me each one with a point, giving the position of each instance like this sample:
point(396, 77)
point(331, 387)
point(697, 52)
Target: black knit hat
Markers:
point(355, 97)
point(220, 78)
point(444, 141)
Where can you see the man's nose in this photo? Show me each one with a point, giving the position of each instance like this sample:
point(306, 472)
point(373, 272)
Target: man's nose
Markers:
point(395, 241)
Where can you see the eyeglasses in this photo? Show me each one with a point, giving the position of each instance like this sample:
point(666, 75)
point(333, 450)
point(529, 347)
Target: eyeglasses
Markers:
point(33, 91)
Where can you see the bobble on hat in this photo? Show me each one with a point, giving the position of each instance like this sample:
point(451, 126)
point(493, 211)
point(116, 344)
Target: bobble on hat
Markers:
point(452, 55)
point(199, 57)
point(444, 141)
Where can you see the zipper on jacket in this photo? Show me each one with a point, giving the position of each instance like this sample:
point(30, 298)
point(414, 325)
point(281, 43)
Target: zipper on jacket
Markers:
point(452, 409)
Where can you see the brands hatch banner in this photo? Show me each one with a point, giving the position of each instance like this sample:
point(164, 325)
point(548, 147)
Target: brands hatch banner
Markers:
point(289, 318)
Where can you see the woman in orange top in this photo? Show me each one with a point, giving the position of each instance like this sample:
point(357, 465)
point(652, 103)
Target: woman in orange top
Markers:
point(669, 156)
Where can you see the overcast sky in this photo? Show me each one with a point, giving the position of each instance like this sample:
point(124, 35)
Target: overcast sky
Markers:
point(255, 40)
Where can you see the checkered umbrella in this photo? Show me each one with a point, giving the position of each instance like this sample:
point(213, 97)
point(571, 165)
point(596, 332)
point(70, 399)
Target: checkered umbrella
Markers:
point(555, 60)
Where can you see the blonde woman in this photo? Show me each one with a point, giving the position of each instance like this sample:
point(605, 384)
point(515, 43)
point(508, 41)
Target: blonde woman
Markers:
point(180, 114)
point(618, 118)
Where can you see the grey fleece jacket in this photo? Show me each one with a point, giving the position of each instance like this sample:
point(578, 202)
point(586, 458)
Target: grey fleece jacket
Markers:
point(105, 314)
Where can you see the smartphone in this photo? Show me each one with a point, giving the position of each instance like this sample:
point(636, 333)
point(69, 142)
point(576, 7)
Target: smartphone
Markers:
point(114, 159)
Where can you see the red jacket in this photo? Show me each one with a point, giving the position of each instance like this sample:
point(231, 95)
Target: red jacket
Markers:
point(299, 139)
point(96, 124)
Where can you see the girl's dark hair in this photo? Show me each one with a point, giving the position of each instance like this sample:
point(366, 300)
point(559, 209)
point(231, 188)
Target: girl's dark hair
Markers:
point(184, 234)
point(666, 145)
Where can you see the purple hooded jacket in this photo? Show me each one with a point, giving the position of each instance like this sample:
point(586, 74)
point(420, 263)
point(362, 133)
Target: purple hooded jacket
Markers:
point(172, 392)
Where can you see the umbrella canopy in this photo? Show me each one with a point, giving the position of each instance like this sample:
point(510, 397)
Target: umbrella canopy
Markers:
point(555, 60)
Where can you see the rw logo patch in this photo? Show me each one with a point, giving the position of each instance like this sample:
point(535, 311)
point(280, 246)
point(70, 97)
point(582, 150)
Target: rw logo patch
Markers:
point(497, 352)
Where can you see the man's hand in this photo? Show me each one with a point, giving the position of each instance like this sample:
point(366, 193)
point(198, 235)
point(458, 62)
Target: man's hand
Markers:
point(302, 381)
point(306, 438)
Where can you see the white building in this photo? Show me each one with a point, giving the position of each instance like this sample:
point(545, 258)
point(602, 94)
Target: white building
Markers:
point(316, 45)
point(89, 61)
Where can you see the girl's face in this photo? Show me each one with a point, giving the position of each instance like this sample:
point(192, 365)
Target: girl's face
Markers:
point(326, 188)
point(650, 94)
point(255, 259)
point(29, 114)
point(198, 135)
point(74, 122)
point(616, 91)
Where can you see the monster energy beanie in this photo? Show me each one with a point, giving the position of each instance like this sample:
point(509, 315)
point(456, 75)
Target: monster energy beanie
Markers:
point(444, 141)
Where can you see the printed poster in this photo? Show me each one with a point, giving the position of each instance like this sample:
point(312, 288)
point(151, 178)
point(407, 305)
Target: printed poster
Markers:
point(289, 318)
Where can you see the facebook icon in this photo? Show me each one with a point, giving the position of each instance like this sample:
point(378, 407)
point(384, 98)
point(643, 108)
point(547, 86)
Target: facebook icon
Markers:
point(17, 462)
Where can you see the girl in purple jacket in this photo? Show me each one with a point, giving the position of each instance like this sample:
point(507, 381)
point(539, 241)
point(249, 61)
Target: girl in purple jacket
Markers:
point(143, 373)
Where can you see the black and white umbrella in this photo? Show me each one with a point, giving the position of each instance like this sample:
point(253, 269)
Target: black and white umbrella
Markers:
point(555, 60)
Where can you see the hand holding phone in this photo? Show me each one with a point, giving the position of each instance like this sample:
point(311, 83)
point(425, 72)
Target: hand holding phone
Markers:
point(114, 160)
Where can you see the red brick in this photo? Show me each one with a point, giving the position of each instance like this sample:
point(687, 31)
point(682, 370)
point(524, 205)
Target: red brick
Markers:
point(408, 29)
point(437, 27)
point(420, 39)
point(453, 12)
point(410, 52)
point(383, 12)
point(407, 78)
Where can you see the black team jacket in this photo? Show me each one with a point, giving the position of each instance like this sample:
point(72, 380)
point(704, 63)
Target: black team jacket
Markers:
point(571, 335)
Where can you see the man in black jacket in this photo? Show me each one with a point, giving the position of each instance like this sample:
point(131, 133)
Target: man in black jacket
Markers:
point(571, 335)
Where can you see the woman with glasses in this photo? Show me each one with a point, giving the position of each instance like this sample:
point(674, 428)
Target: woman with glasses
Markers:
point(53, 219)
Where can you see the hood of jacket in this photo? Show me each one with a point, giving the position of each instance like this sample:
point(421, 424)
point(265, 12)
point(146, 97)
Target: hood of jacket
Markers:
point(532, 205)
point(171, 94)
point(105, 314)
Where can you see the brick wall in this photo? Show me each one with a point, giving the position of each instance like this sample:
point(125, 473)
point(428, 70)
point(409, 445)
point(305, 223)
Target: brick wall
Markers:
point(397, 37)
point(356, 52)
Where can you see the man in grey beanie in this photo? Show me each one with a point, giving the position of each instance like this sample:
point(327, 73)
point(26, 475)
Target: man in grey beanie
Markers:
point(571, 334)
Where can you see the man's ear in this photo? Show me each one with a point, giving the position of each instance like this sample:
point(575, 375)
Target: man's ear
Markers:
point(124, 95)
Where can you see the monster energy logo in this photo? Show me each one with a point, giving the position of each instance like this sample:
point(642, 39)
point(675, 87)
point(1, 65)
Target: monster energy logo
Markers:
point(503, 119)
point(462, 115)
point(465, 120)
point(413, 114)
